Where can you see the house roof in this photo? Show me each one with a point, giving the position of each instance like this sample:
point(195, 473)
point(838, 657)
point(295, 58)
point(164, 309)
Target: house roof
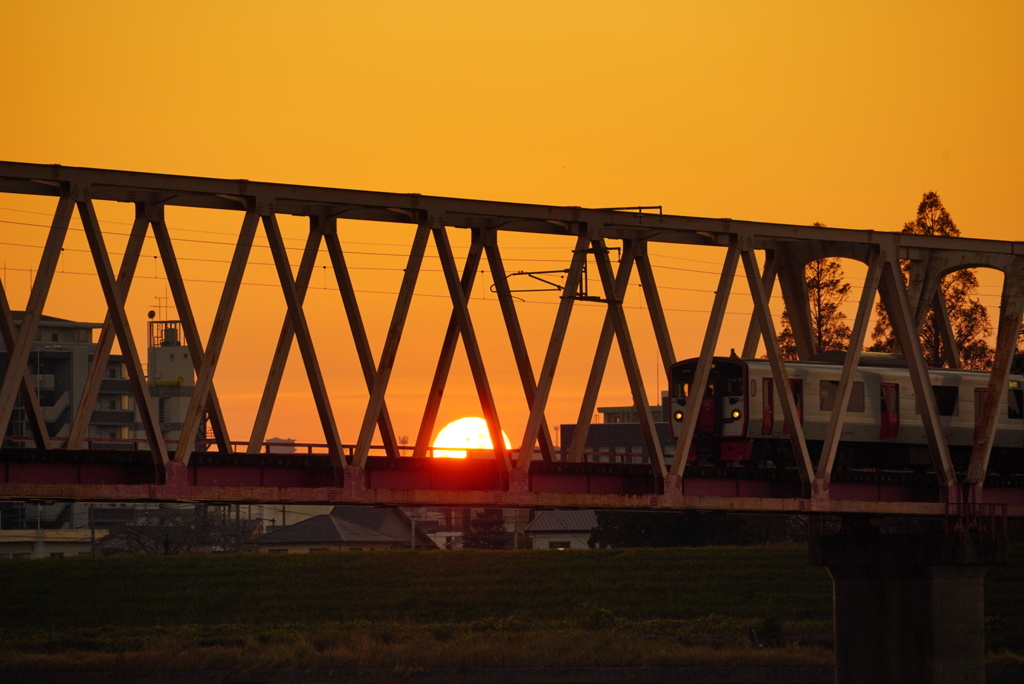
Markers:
point(350, 525)
point(564, 521)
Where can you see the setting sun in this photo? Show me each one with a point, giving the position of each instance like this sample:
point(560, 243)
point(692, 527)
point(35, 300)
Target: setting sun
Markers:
point(464, 433)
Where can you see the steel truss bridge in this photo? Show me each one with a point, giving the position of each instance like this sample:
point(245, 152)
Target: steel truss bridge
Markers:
point(536, 474)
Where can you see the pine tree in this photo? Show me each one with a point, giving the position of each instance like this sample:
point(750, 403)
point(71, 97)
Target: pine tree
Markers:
point(967, 316)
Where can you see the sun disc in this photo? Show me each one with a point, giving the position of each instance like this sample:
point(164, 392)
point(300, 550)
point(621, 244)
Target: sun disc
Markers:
point(465, 433)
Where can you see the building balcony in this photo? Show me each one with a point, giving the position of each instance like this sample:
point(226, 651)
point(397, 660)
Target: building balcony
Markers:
point(113, 417)
point(116, 386)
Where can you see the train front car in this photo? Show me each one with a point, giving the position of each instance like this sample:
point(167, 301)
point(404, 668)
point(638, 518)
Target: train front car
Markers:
point(721, 432)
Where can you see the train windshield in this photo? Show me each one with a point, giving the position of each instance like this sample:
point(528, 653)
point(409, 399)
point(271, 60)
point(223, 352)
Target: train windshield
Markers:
point(725, 380)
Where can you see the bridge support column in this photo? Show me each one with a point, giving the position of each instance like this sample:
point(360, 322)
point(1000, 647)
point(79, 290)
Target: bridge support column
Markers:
point(908, 607)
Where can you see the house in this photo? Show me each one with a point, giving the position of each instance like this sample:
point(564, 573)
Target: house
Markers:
point(43, 543)
point(569, 529)
point(616, 436)
point(348, 528)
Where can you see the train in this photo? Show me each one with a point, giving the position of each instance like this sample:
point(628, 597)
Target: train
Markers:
point(741, 419)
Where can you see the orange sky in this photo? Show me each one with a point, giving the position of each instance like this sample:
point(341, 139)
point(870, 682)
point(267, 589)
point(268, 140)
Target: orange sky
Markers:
point(785, 111)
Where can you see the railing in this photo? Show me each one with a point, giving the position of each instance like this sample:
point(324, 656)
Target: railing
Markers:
point(320, 449)
point(983, 520)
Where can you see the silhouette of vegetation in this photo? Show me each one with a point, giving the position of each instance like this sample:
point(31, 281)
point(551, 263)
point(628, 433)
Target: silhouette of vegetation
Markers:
point(632, 529)
point(967, 316)
point(487, 531)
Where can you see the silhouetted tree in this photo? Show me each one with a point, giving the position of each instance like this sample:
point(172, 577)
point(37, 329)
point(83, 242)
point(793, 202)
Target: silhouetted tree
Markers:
point(826, 294)
point(487, 531)
point(627, 529)
point(967, 316)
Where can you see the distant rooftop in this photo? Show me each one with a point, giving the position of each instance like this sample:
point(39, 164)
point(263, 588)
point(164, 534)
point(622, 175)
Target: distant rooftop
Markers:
point(564, 521)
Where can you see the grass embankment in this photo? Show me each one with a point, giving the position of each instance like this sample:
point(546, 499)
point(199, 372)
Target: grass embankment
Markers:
point(670, 607)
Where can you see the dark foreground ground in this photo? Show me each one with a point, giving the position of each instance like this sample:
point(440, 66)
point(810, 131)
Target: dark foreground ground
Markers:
point(589, 617)
point(611, 675)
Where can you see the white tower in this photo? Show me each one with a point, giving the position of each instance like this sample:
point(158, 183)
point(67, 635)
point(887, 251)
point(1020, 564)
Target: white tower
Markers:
point(171, 375)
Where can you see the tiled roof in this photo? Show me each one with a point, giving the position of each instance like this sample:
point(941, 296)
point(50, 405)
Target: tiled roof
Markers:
point(564, 521)
point(350, 525)
point(325, 529)
point(367, 516)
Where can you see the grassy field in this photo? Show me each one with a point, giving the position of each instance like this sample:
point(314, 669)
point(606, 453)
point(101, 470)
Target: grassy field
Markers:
point(666, 607)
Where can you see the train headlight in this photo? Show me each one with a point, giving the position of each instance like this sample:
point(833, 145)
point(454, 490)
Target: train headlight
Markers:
point(678, 415)
point(736, 414)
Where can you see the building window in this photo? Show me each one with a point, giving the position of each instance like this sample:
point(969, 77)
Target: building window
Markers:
point(559, 545)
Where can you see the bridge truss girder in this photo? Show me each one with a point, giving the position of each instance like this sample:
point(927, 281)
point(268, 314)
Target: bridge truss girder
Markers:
point(787, 249)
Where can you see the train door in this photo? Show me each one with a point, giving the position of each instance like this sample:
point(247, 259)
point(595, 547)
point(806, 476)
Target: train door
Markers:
point(708, 420)
point(798, 398)
point(979, 404)
point(768, 405)
point(890, 410)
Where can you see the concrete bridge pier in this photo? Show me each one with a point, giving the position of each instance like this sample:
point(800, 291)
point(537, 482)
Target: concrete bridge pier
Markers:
point(908, 608)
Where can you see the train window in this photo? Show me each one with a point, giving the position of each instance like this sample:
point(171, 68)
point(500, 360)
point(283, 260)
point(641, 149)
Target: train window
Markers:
point(830, 391)
point(682, 377)
point(1015, 404)
point(946, 399)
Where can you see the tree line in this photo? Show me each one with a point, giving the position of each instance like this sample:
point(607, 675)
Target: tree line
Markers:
point(828, 292)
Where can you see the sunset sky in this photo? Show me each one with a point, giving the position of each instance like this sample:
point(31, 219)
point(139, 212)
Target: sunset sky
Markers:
point(790, 112)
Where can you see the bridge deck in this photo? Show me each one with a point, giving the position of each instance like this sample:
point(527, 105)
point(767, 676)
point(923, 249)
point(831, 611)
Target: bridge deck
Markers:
point(130, 475)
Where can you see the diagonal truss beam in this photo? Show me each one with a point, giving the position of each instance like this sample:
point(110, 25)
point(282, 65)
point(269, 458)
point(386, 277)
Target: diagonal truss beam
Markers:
point(193, 339)
point(387, 358)
point(1011, 310)
point(837, 418)
point(9, 332)
point(604, 345)
point(460, 314)
point(645, 270)
point(215, 344)
point(707, 351)
point(284, 345)
point(791, 273)
point(91, 389)
point(447, 355)
point(547, 371)
point(115, 298)
point(925, 294)
point(358, 329)
point(775, 360)
point(18, 353)
point(896, 301)
point(515, 335)
point(304, 340)
point(628, 354)
point(768, 278)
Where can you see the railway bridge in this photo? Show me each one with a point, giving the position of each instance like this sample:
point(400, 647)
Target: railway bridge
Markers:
point(944, 573)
